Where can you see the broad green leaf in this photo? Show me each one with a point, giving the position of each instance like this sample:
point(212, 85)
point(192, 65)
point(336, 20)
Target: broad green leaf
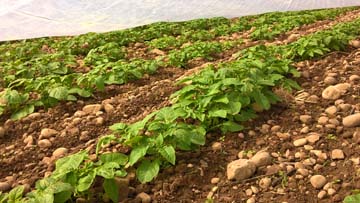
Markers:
point(352, 199)
point(166, 114)
point(234, 107)
point(14, 97)
point(120, 173)
point(100, 82)
point(265, 82)
point(26, 110)
point(222, 99)
point(261, 99)
point(116, 157)
point(85, 182)
point(16, 194)
point(147, 171)
point(111, 189)
point(43, 197)
point(80, 92)
point(58, 187)
point(168, 152)
point(230, 81)
point(59, 93)
point(198, 138)
point(159, 140)
point(71, 98)
point(69, 163)
point(107, 170)
point(62, 197)
point(214, 112)
point(137, 153)
point(118, 126)
point(182, 138)
point(230, 126)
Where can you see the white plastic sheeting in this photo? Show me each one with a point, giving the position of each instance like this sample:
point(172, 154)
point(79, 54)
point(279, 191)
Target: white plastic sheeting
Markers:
point(21, 19)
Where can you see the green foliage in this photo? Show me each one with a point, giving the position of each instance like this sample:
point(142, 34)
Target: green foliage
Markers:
point(352, 199)
point(109, 52)
point(272, 25)
point(204, 50)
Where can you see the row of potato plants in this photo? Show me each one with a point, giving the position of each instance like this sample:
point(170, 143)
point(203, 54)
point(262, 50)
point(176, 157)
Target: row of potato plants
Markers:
point(267, 26)
point(29, 60)
point(286, 23)
point(218, 97)
point(51, 80)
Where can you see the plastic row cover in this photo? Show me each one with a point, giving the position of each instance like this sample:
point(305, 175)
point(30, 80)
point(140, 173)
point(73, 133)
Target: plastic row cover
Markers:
point(21, 19)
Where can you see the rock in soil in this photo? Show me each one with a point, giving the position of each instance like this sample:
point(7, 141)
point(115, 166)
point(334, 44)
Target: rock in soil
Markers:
point(337, 154)
point(331, 93)
point(240, 169)
point(321, 194)
point(92, 108)
point(300, 142)
point(216, 146)
point(145, 198)
point(261, 158)
point(4, 186)
point(265, 183)
point(59, 152)
point(47, 133)
point(45, 143)
point(318, 181)
point(352, 120)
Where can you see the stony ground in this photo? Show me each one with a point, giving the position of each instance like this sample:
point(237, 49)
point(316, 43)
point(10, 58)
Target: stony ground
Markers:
point(305, 149)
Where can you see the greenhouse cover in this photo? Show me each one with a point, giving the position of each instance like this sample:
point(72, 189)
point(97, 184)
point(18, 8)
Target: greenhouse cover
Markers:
point(21, 19)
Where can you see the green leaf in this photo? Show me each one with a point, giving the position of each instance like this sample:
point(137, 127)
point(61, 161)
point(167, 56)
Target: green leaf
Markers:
point(120, 173)
point(103, 141)
point(230, 126)
point(28, 109)
point(168, 152)
point(214, 112)
point(261, 99)
point(69, 163)
point(71, 98)
point(234, 107)
point(111, 189)
point(137, 153)
point(147, 171)
point(167, 115)
point(59, 93)
point(85, 182)
point(16, 194)
point(62, 197)
point(42, 197)
point(198, 138)
point(107, 170)
point(352, 199)
point(100, 82)
point(222, 99)
point(116, 157)
point(118, 126)
point(80, 92)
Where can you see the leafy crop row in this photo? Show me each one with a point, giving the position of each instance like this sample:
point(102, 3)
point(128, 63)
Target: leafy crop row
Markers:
point(269, 28)
point(43, 75)
point(46, 79)
point(217, 98)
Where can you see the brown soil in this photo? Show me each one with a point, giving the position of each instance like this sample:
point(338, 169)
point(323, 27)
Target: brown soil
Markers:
point(185, 183)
